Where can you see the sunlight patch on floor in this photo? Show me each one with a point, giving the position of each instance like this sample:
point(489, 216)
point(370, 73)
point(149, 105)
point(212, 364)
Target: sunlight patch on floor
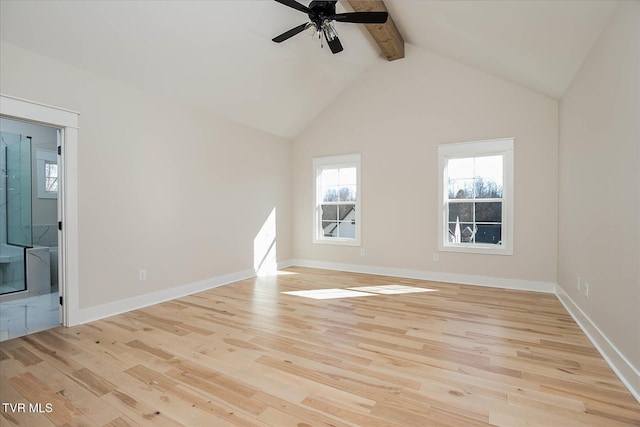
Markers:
point(361, 291)
point(285, 273)
point(392, 289)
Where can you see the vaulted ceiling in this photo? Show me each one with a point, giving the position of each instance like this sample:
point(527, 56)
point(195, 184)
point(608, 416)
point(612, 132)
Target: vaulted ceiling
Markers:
point(218, 55)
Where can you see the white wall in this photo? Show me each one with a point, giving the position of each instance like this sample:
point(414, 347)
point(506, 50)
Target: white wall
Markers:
point(599, 183)
point(396, 115)
point(162, 187)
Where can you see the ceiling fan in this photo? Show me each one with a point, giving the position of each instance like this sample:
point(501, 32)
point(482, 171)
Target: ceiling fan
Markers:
point(322, 17)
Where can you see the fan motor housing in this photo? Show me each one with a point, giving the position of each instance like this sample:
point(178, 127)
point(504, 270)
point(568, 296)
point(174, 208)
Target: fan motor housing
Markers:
point(321, 9)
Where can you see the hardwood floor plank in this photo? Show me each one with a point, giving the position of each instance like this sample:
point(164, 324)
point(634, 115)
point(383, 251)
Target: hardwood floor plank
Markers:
point(38, 393)
point(150, 349)
point(346, 412)
point(450, 417)
point(304, 416)
point(24, 356)
point(3, 356)
point(74, 393)
point(121, 421)
point(81, 421)
point(233, 393)
point(94, 383)
point(16, 417)
point(178, 410)
point(138, 411)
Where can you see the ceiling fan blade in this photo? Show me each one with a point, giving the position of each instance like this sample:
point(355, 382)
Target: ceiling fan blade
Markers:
point(295, 5)
point(292, 32)
point(361, 17)
point(335, 45)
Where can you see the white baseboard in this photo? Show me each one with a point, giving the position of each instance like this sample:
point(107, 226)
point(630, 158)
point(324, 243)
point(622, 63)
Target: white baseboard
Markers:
point(464, 279)
point(111, 309)
point(284, 264)
point(628, 374)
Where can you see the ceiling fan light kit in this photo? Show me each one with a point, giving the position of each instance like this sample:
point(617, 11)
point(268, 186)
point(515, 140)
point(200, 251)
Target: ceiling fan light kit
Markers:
point(322, 17)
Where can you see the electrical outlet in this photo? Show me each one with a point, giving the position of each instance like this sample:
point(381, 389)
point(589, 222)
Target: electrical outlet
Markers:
point(436, 257)
point(362, 252)
point(578, 283)
point(142, 274)
point(586, 289)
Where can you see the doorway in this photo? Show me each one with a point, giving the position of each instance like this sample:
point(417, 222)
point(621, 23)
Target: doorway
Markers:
point(68, 255)
point(29, 266)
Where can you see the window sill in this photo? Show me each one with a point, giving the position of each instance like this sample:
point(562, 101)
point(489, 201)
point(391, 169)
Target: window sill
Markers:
point(477, 249)
point(338, 242)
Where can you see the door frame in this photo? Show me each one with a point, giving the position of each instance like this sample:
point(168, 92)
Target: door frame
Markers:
point(67, 121)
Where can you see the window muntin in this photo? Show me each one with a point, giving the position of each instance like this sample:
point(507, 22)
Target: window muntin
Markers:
point(337, 204)
point(476, 196)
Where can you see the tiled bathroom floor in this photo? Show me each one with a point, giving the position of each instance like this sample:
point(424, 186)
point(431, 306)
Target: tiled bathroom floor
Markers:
point(25, 316)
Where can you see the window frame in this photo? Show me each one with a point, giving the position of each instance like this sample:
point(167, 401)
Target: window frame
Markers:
point(503, 147)
point(334, 162)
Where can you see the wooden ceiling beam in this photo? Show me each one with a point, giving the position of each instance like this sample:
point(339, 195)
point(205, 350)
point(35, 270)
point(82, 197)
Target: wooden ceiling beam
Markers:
point(386, 35)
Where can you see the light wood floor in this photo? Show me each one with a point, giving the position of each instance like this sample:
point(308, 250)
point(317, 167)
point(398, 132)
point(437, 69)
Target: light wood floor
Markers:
point(245, 354)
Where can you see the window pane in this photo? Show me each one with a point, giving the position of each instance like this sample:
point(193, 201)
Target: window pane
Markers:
point(452, 227)
point(329, 212)
point(51, 169)
point(347, 176)
point(461, 211)
point(487, 189)
point(489, 167)
point(343, 226)
point(347, 193)
point(489, 233)
point(488, 174)
point(347, 229)
point(329, 178)
point(330, 228)
point(51, 184)
point(467, 232)
point(330, 194)
point(461, 188)
point(489, 212)
point(460, 168)
point(347, 212)
point(462, 232)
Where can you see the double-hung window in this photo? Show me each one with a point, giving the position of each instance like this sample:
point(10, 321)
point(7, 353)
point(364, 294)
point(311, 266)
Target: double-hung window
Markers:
point(476, 197)
point(336, 208)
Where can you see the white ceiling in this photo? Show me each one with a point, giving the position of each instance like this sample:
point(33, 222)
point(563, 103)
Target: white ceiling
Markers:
point(537, 44)
point(218, 55)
